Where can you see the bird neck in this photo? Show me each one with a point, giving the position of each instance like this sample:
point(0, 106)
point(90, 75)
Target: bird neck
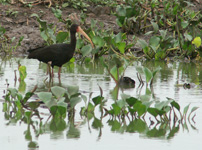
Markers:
point(73, 40)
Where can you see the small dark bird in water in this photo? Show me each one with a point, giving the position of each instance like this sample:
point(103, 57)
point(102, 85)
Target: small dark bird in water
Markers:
point(126, 82)
point(58, 54)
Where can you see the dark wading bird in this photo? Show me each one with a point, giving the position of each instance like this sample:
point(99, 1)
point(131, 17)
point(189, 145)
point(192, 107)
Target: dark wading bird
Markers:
point(58, 54)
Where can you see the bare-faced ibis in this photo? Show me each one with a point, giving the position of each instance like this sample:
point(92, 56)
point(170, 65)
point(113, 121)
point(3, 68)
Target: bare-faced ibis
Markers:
point(58, 54)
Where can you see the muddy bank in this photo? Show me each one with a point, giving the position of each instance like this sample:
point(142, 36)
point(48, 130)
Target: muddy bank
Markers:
point(17, 21)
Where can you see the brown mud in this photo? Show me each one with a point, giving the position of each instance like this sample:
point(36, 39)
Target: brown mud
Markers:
point(17, 21)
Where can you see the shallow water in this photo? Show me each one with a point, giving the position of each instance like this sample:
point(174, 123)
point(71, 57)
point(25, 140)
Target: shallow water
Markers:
point(168, 83)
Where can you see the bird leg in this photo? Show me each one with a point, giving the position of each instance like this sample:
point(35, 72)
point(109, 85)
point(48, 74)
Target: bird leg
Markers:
point(49, 69)
point(59, 71)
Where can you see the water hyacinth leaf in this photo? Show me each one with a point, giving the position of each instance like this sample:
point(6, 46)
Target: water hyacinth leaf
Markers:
point(58, 91)
point(13, 92)
point(91, 107)
point(74, 101)
point(115, 125)
point(131, 101)
point(153, 111)
point(125, 96)
point(73, 132)
point(145, 98)
point(197, 41)
point(116, 109)
point(45, 96)
point(34, 105)
point(121, 103)
point(27, 97)
point(163, 34)
point(62, 111)
point(79, 43)
point(72, 90)
point(162, 104)
point(147, 104)
point(184, 24)
point(84, 98)
point(121, 11)
point(2, 30)
point(186, 110)
point(96, 123)
point(98, 41)
point(61, 37)
point(154, 42)
point(176, 105)
point(188, 37)
point(156, 70)
point(156, 132)
point(57, 13)
point(114, 72)
point(173, 131)
point(97, 100)
point(86, 50)
point(33, 145)
point(137, 125)
point(143, 43)
point(118, 38)
point(53, 110)
point(28, 116)
point(192, 110)
point(155, 26)
point(121, 47)
point(140, 108)
point(57, 124)
point(148, 74)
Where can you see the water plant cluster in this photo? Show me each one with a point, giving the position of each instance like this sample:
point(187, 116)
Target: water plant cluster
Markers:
point(170, 25)
point(127, 114)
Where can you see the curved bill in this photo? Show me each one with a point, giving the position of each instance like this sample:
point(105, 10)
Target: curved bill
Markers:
point(86, 36)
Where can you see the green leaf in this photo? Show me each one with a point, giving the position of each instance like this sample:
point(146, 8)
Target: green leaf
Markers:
point(86, 50)
point(116, 109)
point(188, 36)
point(121, 103)
point(97, 100)
point(118, 38)
point(192, 110)
point(74, 101)
point(140, 108)
point(121, 47)
point(142, 43)
point(98, 41)
point(114, 72)
point(154, 42)
point(197, 41)
point(155, 71)
point(148, 74)
point(13, 92)
point(131, 101)
point(58, 91)
point(34, 105)
point(72, 90)
point(61, 37)
point(184, 24)
point(46, 97)
point(90, 107)
point(176, 105)
point(162, 104)
point(96, 123)
point(155, 26)
point(186, 110)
